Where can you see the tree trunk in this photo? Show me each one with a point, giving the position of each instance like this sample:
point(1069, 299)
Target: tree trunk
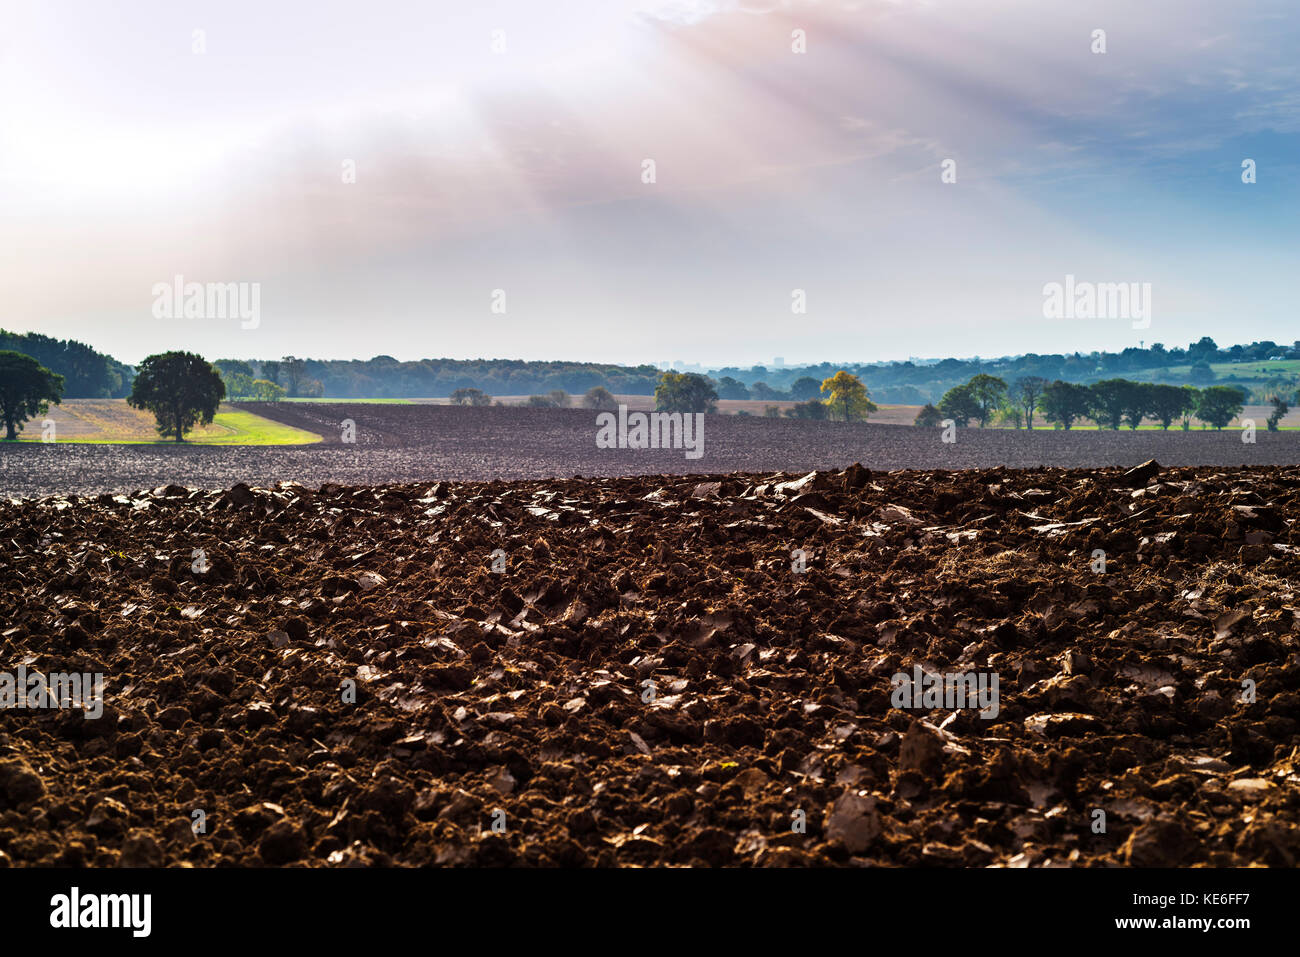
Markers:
point(11, 434)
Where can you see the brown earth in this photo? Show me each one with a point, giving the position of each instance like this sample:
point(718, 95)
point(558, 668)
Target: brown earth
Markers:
point(650, 680)
point(103, 419)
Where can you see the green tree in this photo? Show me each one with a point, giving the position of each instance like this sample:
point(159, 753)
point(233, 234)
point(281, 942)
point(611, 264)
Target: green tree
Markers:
point(264, 390)
point(1026, 391)
point(470, 397)
point(928, 417)
point(229, 367)
point(26, 389)
point(812, 409)
point(598, 397)
point(1280, 408)
point(1009, 414)
point(1110, 399)
point(960, 405)
point(1219, 404)
point(685, 392)
point(805, 388)
point(1137, 403)
point(239, 385)
point(181, 389)
point(847, 397)
point(1204, 349)
point(1193, 400)
point(86, 373)
point(294, 371)
point(1201, 372)
point(989, 392)
point(1168, 402)
point(729, 388)
point(1064, 402)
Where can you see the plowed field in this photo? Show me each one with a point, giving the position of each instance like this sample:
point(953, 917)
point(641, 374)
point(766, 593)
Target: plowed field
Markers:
point(662, 671)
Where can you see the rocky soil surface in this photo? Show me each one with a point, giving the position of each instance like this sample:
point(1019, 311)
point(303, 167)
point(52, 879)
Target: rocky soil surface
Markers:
point(638, 671)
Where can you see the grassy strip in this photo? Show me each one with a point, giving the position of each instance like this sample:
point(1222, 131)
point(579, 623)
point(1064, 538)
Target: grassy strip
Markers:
point(227, 428)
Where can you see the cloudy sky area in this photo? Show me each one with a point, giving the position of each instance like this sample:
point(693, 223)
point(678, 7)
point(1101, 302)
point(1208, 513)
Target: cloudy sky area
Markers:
point(126, 159)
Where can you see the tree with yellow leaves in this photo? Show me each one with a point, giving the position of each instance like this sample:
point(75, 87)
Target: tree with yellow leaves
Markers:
point(848, 398)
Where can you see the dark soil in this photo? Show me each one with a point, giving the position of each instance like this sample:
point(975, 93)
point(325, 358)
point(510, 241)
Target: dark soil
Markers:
point(414, 443)
point(650, 682)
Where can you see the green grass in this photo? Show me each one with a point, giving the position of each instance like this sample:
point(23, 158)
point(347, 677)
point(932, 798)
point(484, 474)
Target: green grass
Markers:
point(1247, 369)
point(1259, 371)
point(227, 428)
point(249, 429)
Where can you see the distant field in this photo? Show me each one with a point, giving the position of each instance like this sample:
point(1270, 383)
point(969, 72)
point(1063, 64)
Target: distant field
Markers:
point(886, 415)
point(403, 401)
point(1270, 368)
point(425, 443)
point(1252, 375)
point(112, 421)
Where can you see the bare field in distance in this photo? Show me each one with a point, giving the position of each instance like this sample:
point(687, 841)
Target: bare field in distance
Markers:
point(413, 443)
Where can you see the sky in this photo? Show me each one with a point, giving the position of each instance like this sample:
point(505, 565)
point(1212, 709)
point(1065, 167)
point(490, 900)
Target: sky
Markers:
point(426, 179)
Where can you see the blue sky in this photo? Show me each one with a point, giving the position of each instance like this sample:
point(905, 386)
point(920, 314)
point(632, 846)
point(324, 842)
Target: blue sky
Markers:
point(127, 158)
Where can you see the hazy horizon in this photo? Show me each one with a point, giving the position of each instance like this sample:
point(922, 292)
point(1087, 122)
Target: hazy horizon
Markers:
point(213, 143)
point(770, 363)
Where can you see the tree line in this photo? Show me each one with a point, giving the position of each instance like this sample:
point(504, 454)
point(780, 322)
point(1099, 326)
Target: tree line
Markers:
point(90, 374)
point(839, 397)
point(384, 377)
point(86, 374)
point(918, 381)
point(1109, 403)
point(910, 382)
point(182, 389)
